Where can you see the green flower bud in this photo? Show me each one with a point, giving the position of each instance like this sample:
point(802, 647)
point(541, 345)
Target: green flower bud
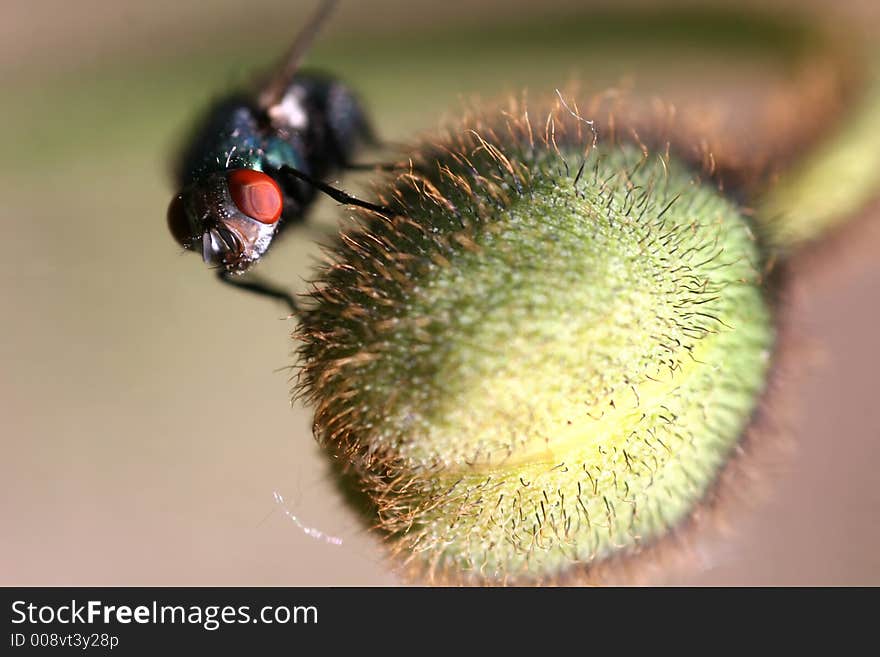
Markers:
point(546, 353)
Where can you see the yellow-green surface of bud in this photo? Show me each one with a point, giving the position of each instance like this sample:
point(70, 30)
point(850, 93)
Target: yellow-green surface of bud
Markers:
point(545, 353)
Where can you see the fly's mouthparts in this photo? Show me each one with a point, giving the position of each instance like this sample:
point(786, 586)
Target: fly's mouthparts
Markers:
point(229, 239)
point(220, 246)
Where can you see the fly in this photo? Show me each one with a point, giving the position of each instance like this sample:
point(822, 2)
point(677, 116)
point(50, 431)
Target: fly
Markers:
point(254, 165)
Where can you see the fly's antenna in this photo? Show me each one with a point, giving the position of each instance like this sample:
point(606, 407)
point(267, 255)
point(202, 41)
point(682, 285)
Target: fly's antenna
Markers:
point(337, 194)
point(274, 90)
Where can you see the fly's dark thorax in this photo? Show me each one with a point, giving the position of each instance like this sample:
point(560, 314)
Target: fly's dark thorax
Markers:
point(316, 127)
point(329, 117)
point(236, 135)
point(228, 137)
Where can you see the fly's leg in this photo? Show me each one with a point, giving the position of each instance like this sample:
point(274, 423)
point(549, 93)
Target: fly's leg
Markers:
point(258, 286)
point(336, 194)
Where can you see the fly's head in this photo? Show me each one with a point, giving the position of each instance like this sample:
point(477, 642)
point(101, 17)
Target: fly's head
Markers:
point(229, 216)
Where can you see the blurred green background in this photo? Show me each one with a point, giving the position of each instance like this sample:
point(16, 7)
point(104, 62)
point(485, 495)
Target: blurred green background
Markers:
point(146, 426)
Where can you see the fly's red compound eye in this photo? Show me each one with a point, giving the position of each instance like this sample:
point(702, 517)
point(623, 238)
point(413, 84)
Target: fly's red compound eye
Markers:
point(178, 223)
point(256, 194)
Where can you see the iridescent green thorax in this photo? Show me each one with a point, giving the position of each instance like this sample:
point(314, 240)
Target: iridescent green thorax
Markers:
point(534, 364)
point(316, 127)
point(232, 137)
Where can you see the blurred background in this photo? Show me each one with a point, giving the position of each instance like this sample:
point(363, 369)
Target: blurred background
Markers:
point(147, 434)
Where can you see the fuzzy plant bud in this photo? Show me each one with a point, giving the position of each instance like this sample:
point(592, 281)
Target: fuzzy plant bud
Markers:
point(544, 353)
